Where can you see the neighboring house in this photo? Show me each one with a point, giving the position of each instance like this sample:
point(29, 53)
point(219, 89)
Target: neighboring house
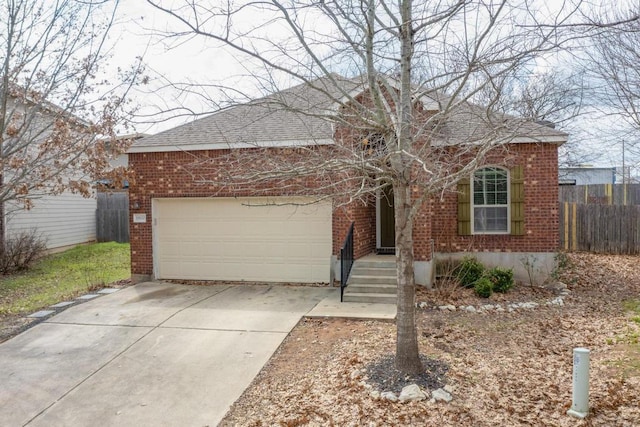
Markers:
point(626, 175)
point(63, 220)
point(184, 230)
point(119, 161)
point(586, 175)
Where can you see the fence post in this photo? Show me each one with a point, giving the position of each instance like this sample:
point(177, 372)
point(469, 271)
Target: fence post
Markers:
point(574, 226)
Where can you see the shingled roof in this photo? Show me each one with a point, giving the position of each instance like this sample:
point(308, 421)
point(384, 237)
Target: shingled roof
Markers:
point(472, 123)
point(296, 116)
point(301, 116)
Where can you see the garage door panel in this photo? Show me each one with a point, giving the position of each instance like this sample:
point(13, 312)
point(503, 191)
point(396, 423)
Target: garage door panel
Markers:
point(172, 268)
point(222, 239)
point(211, 250)
point(188, 250)
point(172, 250)
point(190, 229)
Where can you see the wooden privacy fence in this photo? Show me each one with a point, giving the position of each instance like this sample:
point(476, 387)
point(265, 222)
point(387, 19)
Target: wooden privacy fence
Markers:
point(112, 217)
point(611, 229)
point(602, 194)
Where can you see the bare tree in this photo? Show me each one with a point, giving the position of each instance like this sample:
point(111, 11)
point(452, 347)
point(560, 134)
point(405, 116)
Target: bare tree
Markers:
point(611, 64)
point(559, 98)
point(402, 115)
point(57, 117)
point(551, 97)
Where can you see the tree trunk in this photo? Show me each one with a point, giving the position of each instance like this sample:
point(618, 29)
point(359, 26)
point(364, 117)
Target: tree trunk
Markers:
point(407, 354)
point(3, 236)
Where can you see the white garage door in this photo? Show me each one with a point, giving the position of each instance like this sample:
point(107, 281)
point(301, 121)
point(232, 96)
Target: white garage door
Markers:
point(241, 239)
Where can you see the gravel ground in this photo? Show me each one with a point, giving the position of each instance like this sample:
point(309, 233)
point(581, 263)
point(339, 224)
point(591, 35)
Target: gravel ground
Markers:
point(507, 369)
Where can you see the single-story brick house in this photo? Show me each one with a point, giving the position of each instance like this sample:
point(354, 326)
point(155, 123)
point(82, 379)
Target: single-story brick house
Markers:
point(182, 229)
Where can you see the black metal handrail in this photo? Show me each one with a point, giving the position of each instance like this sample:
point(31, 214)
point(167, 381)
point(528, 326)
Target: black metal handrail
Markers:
point(346, 260)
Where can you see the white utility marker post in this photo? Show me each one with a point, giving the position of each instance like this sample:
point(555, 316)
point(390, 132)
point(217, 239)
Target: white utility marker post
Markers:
point(580, 406)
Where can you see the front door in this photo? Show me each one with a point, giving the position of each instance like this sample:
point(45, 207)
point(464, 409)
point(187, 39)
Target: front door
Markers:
point(386, 222)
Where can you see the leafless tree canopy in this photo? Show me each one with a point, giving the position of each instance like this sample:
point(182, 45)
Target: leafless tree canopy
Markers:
point(612, 64)
point(403, 111)
point(57, 116)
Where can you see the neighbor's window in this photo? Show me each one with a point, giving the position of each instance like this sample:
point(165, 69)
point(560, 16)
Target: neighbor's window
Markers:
point(490, 212)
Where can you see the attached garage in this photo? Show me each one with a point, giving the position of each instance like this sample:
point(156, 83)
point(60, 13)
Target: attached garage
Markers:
point(242, 239)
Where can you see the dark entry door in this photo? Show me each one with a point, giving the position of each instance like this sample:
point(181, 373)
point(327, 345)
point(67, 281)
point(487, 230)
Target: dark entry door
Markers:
point(387, 220)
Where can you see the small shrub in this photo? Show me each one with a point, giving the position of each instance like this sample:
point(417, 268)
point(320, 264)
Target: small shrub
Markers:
point(20, 250)
point(502, 279)
point(447, 288)
point(483, 287)
point(563, 264)
point(469, 271)
point(446, 267)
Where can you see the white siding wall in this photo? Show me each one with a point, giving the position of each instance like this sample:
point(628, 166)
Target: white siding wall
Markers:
point(67, 219)
point(121, 160)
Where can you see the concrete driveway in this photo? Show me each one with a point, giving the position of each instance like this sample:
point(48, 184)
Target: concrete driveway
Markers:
point(154, 354)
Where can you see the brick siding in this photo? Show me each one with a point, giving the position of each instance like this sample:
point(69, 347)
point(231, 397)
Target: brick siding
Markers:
point(540, 163)
point(161, 175)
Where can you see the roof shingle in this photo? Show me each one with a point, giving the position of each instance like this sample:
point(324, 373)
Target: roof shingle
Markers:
point(302, 115)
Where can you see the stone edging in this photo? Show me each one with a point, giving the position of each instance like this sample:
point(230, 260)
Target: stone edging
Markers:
point(410, 393)
point(509, 308)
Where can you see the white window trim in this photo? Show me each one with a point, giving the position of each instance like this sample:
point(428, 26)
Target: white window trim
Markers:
point(473, 205)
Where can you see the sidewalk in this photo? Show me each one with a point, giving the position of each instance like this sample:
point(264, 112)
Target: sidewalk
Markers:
point(332, 307)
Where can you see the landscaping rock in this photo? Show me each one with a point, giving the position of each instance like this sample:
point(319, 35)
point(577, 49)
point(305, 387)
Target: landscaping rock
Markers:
point(389, 395)
point(375, 394)
point(441, 395)
point(556, 301)
point(412, 392)
point(41, 314)
point(528, 305)
point(447, 307)
point(88, 296)
point(557, 287)
point(365, 385)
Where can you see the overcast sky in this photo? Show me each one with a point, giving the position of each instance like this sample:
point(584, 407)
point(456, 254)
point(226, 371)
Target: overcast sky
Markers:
point(195, 60)
point(198, 61)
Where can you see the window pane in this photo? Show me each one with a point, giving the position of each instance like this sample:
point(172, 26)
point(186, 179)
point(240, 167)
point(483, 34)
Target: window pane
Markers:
point(478, 191)
point(490, 200)
point(490, 219)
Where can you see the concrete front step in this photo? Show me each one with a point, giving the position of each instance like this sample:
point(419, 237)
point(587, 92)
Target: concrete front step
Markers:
point(368, 298)
point(372, 280)
point(383, 280)
point(375, 288)
point(358, 270)
point(365, 263)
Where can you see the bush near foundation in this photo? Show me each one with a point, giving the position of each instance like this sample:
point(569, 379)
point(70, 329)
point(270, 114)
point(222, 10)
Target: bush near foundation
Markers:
point(469, 271)
point(502, 279)
point(483, 287)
